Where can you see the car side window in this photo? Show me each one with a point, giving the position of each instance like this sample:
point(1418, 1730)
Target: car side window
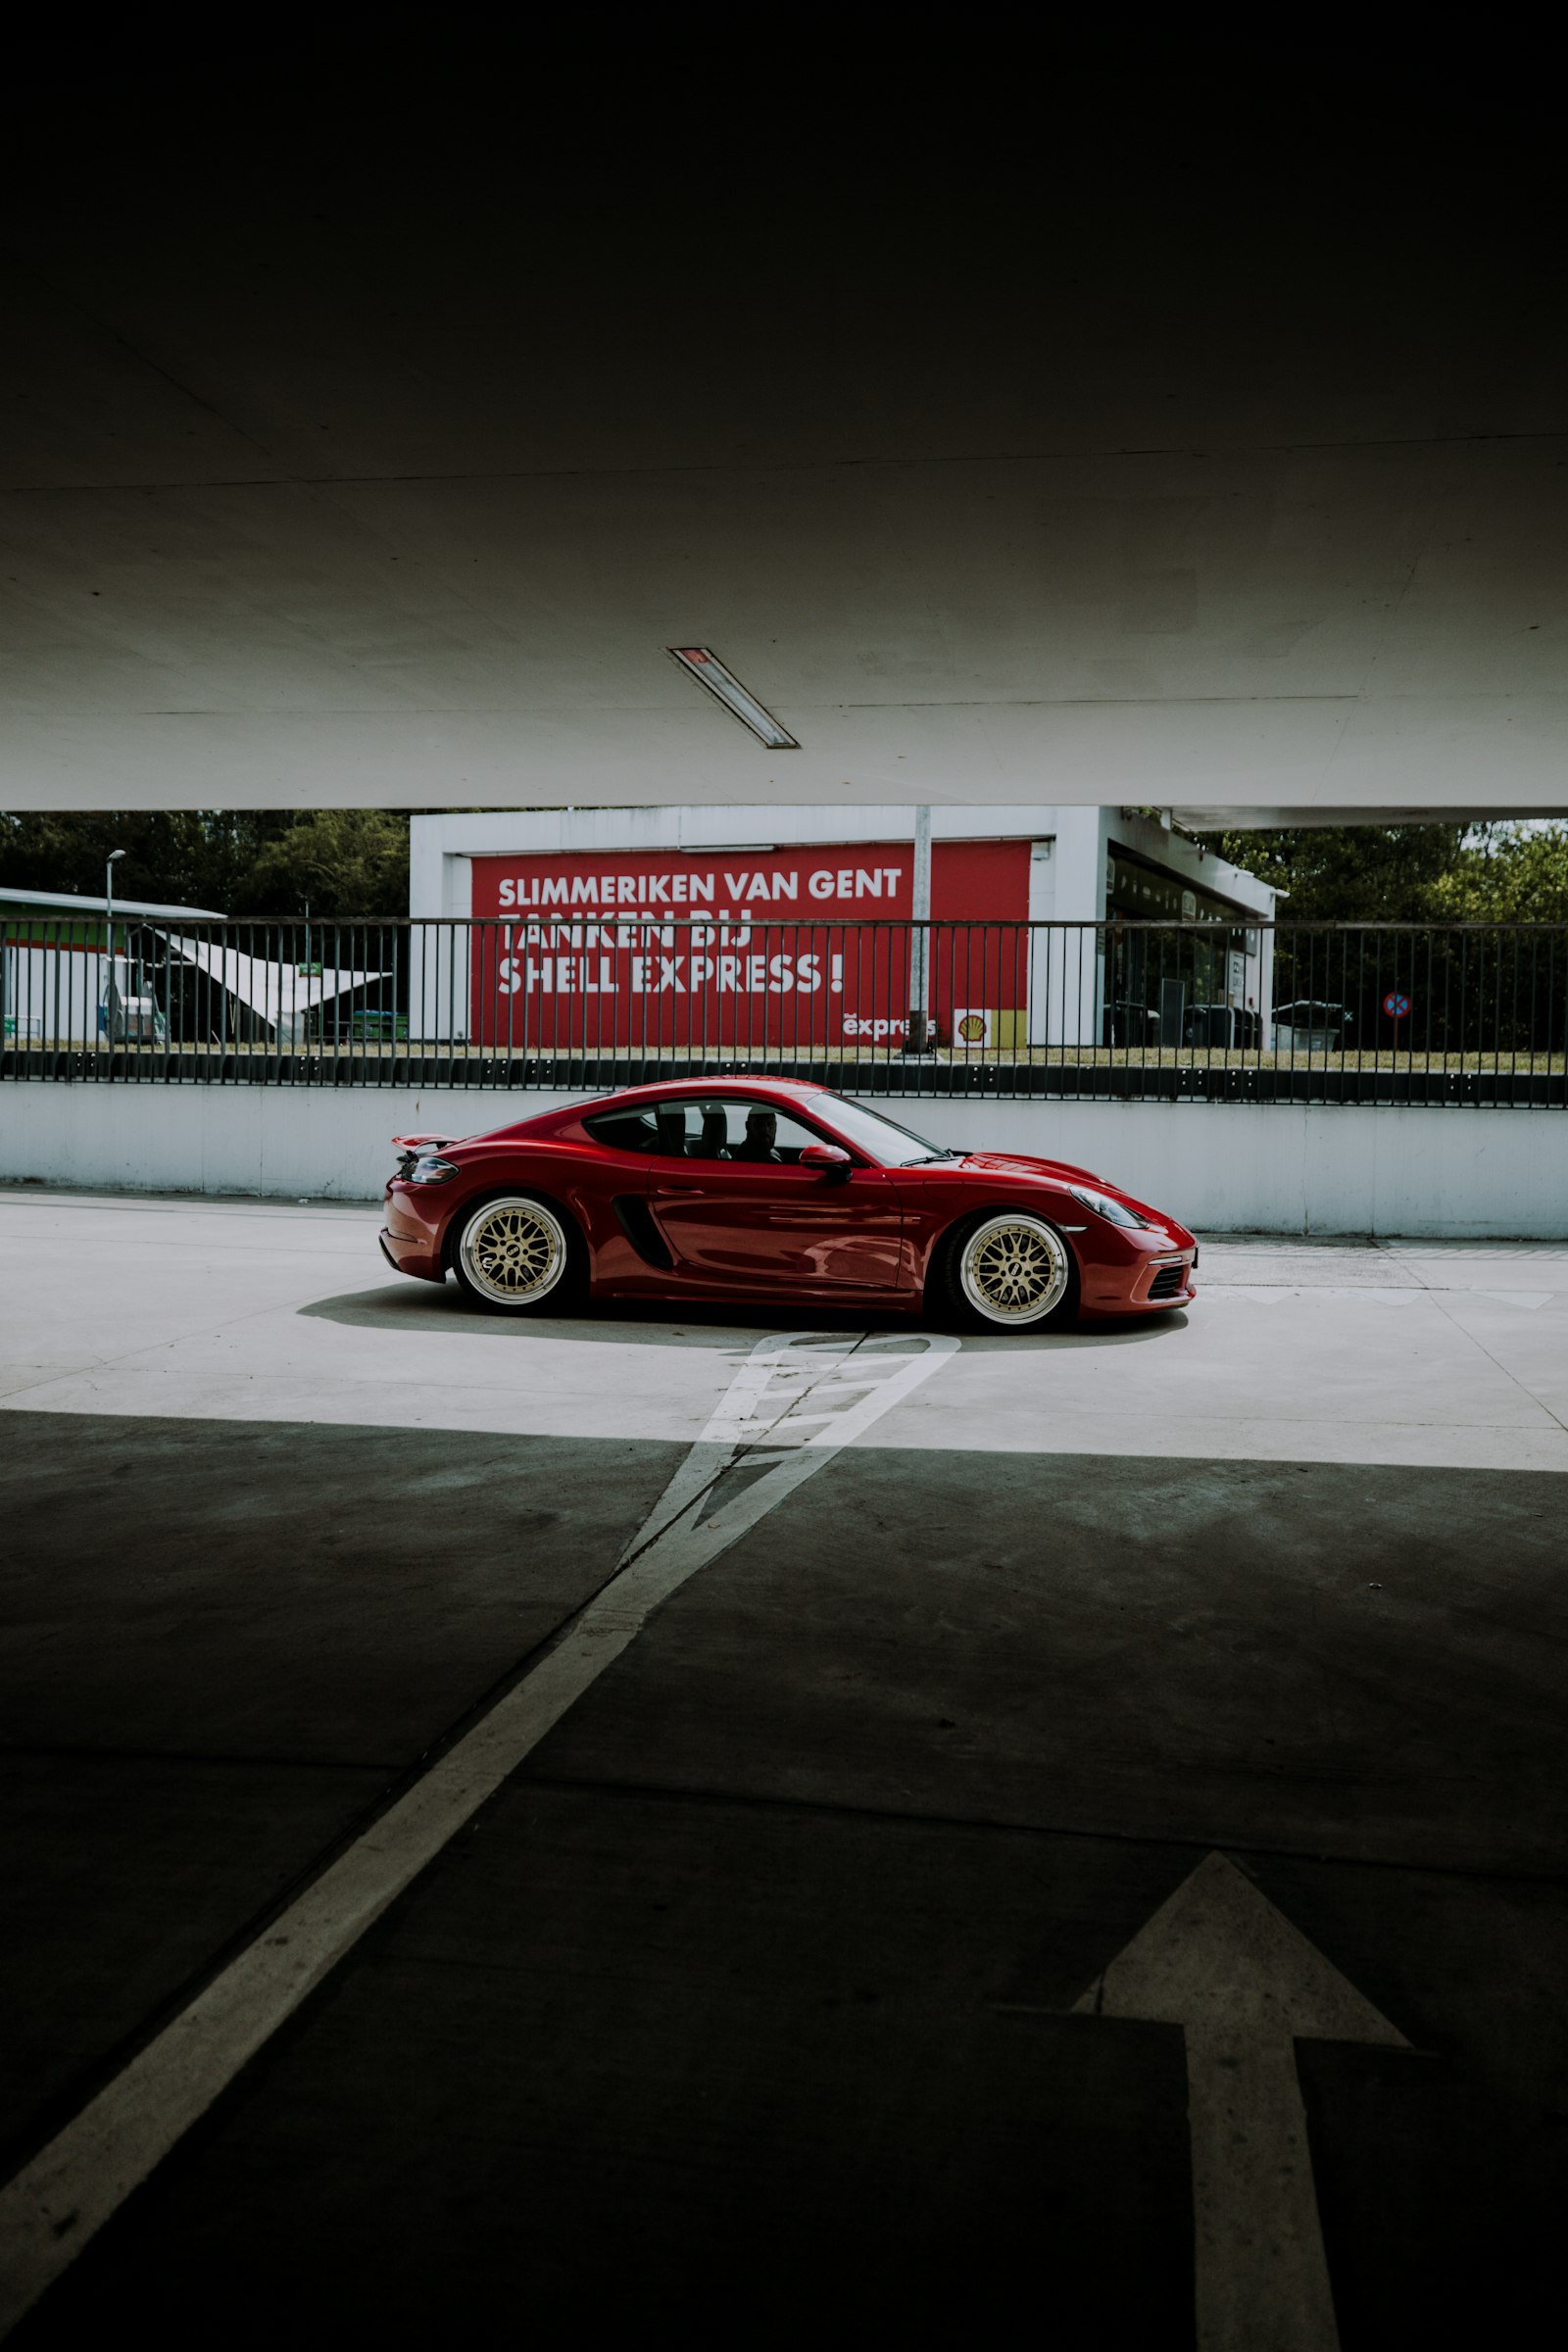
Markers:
point(676, 1129)
point(667, 1130)
point(707, 1127)
point(624, 1130)
point(731, 1127)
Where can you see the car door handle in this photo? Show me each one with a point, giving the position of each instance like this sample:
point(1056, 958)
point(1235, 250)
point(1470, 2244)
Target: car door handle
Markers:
point(662, 1190)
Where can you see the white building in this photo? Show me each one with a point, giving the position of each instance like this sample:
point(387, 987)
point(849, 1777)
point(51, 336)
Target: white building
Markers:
point(573, 897)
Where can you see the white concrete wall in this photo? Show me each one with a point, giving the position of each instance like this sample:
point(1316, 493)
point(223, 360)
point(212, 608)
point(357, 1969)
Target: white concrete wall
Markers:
point(1223, 1168)
point(1226, 1167)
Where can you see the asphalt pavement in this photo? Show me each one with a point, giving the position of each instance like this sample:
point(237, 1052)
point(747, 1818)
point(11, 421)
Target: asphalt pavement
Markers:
point(704, 1823)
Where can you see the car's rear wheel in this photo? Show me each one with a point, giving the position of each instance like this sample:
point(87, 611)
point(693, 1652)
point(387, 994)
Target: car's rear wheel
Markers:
point(518, 1255)
point(1010, 1270)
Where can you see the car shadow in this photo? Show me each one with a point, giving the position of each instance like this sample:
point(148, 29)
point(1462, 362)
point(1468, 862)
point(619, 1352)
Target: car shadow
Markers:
point(1090, 1331)
point(432, 1308)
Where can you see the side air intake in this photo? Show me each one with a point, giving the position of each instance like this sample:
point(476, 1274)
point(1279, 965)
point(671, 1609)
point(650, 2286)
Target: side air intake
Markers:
point(637, 1224)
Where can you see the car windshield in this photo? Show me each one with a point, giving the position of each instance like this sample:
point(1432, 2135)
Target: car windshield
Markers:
point(880, 1139)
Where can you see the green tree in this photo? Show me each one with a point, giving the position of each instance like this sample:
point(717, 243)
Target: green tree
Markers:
point(346, 861)
point(1350, 873)
point(1493, 873)
point(181, 856)
point(1510, 874)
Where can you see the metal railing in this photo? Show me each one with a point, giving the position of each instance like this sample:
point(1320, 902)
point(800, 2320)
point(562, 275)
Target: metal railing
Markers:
point(1376, 1013)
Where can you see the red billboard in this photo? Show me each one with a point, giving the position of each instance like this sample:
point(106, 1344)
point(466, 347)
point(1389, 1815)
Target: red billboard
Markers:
point(734, 948)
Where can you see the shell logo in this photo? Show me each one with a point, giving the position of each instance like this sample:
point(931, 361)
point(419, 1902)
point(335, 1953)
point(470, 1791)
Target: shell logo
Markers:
point(971, 1028)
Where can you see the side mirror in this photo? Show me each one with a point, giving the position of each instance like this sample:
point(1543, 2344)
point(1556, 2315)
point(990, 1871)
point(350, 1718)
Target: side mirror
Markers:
point(827, 1160)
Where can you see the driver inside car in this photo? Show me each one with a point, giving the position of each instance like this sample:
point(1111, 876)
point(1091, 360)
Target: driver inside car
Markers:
point(762, 1128)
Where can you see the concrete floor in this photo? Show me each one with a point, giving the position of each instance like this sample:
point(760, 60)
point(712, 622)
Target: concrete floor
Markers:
point(744, 2002)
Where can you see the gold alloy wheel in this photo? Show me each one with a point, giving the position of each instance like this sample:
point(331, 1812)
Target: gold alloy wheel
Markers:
point(1014, 1269)
point(513, 1252)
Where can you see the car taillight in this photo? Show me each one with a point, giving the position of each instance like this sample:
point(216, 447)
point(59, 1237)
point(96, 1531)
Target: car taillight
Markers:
point(422, 1169)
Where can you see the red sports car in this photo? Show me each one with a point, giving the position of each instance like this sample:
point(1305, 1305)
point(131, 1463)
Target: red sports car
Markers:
point(751, 1190)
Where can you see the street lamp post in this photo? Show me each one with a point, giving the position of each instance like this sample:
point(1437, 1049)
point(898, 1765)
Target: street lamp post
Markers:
point(109, 912)
point(918, 1039)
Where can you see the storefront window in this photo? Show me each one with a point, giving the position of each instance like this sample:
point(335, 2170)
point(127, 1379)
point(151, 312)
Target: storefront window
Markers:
point(1173, 987)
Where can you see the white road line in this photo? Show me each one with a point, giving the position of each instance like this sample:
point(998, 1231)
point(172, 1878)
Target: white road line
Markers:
point(52, 2208)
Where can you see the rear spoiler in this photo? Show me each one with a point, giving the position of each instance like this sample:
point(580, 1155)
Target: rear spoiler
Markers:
point(410, 1148)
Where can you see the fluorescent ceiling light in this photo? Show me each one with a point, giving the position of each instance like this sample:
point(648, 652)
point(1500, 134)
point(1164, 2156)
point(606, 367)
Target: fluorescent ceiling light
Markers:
point(710, 672)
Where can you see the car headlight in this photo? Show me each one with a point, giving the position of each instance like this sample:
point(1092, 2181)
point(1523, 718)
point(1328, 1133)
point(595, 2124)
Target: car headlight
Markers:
point(429, 1170)
point(1114, 1212)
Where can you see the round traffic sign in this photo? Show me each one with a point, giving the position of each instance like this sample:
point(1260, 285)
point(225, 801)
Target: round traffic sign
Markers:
point(1396, 1004)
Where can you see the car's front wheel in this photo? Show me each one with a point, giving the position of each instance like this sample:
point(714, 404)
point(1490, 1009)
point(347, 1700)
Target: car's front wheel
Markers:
point(516, 1256)
point(1010, 1271)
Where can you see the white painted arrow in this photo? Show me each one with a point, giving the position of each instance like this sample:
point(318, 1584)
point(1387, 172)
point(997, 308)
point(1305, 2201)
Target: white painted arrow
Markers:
point(1222, 1963)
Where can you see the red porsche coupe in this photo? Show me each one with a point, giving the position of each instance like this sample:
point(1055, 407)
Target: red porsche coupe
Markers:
point(752, 1190)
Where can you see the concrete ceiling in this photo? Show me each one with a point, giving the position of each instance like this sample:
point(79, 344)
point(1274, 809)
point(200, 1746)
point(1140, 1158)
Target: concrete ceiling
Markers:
point(367, 450)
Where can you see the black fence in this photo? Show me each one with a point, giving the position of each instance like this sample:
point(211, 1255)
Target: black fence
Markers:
point(1298, 1012)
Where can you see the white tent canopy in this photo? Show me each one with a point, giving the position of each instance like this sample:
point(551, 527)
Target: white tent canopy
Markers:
point(279, 993)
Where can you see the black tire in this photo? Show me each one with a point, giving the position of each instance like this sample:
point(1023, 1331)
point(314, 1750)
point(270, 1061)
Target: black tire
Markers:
point(988, 1266)
point(496, 1245)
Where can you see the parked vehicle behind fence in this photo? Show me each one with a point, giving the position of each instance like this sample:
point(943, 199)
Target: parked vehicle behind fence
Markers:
point(1311, 1026)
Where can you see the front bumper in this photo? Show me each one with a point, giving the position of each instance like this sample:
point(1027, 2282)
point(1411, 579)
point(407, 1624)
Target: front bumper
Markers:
point(1147, 1287)
point(1166, 1281)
